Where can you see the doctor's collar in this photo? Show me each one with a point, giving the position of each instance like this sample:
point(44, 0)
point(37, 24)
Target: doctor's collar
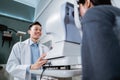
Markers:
point(31, 42)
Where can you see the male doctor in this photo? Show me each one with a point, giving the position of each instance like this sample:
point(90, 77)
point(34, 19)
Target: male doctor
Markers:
point(27, 55)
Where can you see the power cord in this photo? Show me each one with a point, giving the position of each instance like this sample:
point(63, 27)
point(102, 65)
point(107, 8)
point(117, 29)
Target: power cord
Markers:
point(44, 68)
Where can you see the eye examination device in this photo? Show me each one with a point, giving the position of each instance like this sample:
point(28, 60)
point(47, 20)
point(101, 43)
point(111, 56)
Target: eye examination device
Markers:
point(63, 37)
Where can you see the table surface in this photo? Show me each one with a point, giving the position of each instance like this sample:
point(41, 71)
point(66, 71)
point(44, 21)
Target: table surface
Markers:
point(58, 73)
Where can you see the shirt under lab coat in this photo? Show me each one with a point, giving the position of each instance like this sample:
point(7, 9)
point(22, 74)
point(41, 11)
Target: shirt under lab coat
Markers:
point(20, 59)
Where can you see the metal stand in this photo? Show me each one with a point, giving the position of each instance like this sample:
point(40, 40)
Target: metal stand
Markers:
point(20, 34)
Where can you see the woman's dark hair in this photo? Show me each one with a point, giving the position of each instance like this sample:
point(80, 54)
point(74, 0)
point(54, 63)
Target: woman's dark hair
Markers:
point(97, 2)
point(35, 23)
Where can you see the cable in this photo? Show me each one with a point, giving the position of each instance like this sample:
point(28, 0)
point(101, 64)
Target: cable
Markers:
point(42, 73)
point(44, 68)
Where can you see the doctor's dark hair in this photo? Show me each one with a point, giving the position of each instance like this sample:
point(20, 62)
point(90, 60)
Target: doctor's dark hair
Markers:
point(35, 23)
point(96, 2)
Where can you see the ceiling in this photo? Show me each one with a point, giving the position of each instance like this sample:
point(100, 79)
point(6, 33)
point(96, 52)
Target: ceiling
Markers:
point(18, 9)
point(32, 3)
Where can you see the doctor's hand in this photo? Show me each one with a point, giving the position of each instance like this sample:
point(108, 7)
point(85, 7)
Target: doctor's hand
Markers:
point(41, 61)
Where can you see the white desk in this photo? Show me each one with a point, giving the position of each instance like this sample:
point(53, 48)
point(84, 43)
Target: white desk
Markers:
point(58, 73)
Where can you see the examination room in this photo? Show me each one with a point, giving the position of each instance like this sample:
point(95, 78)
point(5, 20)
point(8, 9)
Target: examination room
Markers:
point(59, 40)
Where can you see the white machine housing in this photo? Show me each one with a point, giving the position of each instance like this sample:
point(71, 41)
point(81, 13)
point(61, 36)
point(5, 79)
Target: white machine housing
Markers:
point(63, 37)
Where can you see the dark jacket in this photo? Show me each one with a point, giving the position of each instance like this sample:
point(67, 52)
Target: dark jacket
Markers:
point(100, 44)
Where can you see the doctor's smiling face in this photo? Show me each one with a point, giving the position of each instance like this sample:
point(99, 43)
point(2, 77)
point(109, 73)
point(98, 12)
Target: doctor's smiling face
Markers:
point(35, 31)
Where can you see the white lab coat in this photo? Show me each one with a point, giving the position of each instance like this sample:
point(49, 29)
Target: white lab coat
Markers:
point(20, 59)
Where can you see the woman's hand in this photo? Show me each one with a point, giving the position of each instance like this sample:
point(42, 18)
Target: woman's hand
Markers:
point(41, 61)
